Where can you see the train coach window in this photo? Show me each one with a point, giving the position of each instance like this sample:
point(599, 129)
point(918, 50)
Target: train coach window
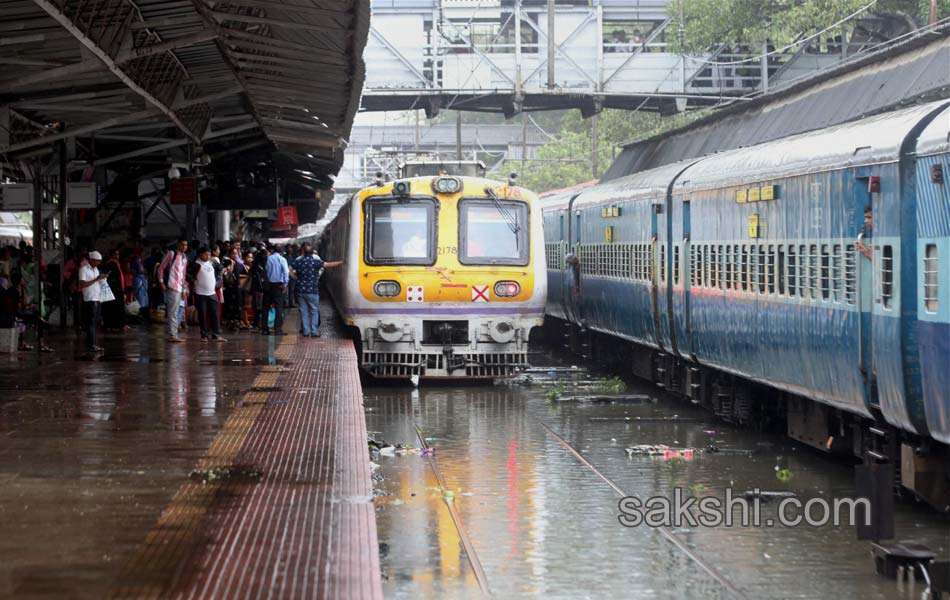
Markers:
point(662, 269)
point(761, 269)
point(694, 254)
point(792, 271)
point(887, 275)
point(837, 275)
point(744, 268)
point(493, 232)
point(825, 272)
point(780, 270)
point(400, 232)
point(850, 260)
point(931, 278)
point(813, 272)
point(676, 265)
point(771, 269)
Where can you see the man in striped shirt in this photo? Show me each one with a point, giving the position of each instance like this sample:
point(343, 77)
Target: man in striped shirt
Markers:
point(175, 286)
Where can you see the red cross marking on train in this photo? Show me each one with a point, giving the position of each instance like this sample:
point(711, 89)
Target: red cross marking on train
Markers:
point(479, 293)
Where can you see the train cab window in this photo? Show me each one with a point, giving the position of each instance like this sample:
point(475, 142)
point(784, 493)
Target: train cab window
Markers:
point(792, 271)
point(400, 232)
point(493, 232)
point(887, 275)
point(931, 278)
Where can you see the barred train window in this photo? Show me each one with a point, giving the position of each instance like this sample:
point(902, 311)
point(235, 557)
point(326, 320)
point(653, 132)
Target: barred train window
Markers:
point(693, 254)
point(813, 272)
point(721, 279)
point(887, 275)
point(792, 270)
point(825, 273)
point(761, 269)
point(663, 263)
point(705, 268)
point(849, 275)
point(744, 266)
point(729, 267)
point(931, 278)
point(780, 271)
point(771, 269)
point(676, 265)
point(837, 280)
point(714, 274)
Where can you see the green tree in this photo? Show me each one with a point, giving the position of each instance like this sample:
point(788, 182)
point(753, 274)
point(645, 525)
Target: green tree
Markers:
point(568, 160)
point(710, 23)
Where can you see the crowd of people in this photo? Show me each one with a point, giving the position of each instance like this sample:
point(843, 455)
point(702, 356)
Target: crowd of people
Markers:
point(228, 285)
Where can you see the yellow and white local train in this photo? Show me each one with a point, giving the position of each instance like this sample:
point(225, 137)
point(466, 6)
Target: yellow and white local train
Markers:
point(444, 276)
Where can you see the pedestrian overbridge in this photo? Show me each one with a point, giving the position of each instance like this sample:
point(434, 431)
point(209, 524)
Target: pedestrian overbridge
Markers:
point(507, 56)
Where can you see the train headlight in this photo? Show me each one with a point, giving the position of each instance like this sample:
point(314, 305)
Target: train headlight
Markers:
point(446, 185)
point(401, 188)
point(387, 289)
point(389, 331)
point(507, 289)
point(502, 332)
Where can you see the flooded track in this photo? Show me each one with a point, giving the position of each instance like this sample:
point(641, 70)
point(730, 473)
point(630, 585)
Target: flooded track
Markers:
point(545, 525)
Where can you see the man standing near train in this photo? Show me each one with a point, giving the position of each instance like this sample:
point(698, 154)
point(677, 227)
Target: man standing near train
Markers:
point(306, 270)
point(277, 275)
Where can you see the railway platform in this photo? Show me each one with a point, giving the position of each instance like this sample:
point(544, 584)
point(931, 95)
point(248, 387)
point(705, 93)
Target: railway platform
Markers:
point(191, 470)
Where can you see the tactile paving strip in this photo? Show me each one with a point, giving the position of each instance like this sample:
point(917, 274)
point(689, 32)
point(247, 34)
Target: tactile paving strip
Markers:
point(294, 515)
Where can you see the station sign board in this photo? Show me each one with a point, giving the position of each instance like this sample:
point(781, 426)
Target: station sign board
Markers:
point(287, 216)
point(184, 190)
point(17, 196)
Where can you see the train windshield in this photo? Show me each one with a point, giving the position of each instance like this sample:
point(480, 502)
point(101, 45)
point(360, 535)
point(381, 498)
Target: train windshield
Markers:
point(400, 232)
point(493, 232)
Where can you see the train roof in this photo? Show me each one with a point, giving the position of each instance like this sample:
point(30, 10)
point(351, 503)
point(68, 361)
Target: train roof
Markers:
point(645, 185)
point(936, 137)
point(868, 141)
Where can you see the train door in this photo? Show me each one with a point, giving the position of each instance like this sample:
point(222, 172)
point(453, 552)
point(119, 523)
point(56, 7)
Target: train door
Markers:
point(572, 266)
point(679, 307)
point(659, 270)
point(865, 284)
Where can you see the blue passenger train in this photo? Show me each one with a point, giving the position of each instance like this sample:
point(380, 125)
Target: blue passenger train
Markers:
point(813, 270)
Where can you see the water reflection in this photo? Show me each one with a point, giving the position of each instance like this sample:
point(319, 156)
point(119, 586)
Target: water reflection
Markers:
point(543, 525)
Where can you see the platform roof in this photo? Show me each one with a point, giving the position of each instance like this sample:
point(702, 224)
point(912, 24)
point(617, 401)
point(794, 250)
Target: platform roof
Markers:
point(137, 84)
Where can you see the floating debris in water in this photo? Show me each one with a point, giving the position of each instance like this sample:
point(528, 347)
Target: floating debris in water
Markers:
point(607, 398)
point(661, 450)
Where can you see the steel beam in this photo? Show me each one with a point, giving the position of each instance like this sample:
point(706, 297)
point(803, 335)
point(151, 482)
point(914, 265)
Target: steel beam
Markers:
point(53, 11)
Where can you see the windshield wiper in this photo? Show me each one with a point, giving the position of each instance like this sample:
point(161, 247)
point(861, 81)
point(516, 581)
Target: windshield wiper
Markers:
point(510, 219)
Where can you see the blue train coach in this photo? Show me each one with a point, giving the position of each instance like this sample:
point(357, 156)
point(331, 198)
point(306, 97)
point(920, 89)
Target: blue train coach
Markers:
point(806, 278)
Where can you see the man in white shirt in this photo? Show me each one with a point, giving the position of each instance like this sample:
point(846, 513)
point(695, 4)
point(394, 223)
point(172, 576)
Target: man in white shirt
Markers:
point(174, 286)
point(90, 284)
point(205, 274)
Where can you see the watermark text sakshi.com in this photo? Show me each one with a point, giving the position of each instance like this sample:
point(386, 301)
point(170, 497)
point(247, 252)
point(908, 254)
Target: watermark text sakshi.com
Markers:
point(685, 510)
